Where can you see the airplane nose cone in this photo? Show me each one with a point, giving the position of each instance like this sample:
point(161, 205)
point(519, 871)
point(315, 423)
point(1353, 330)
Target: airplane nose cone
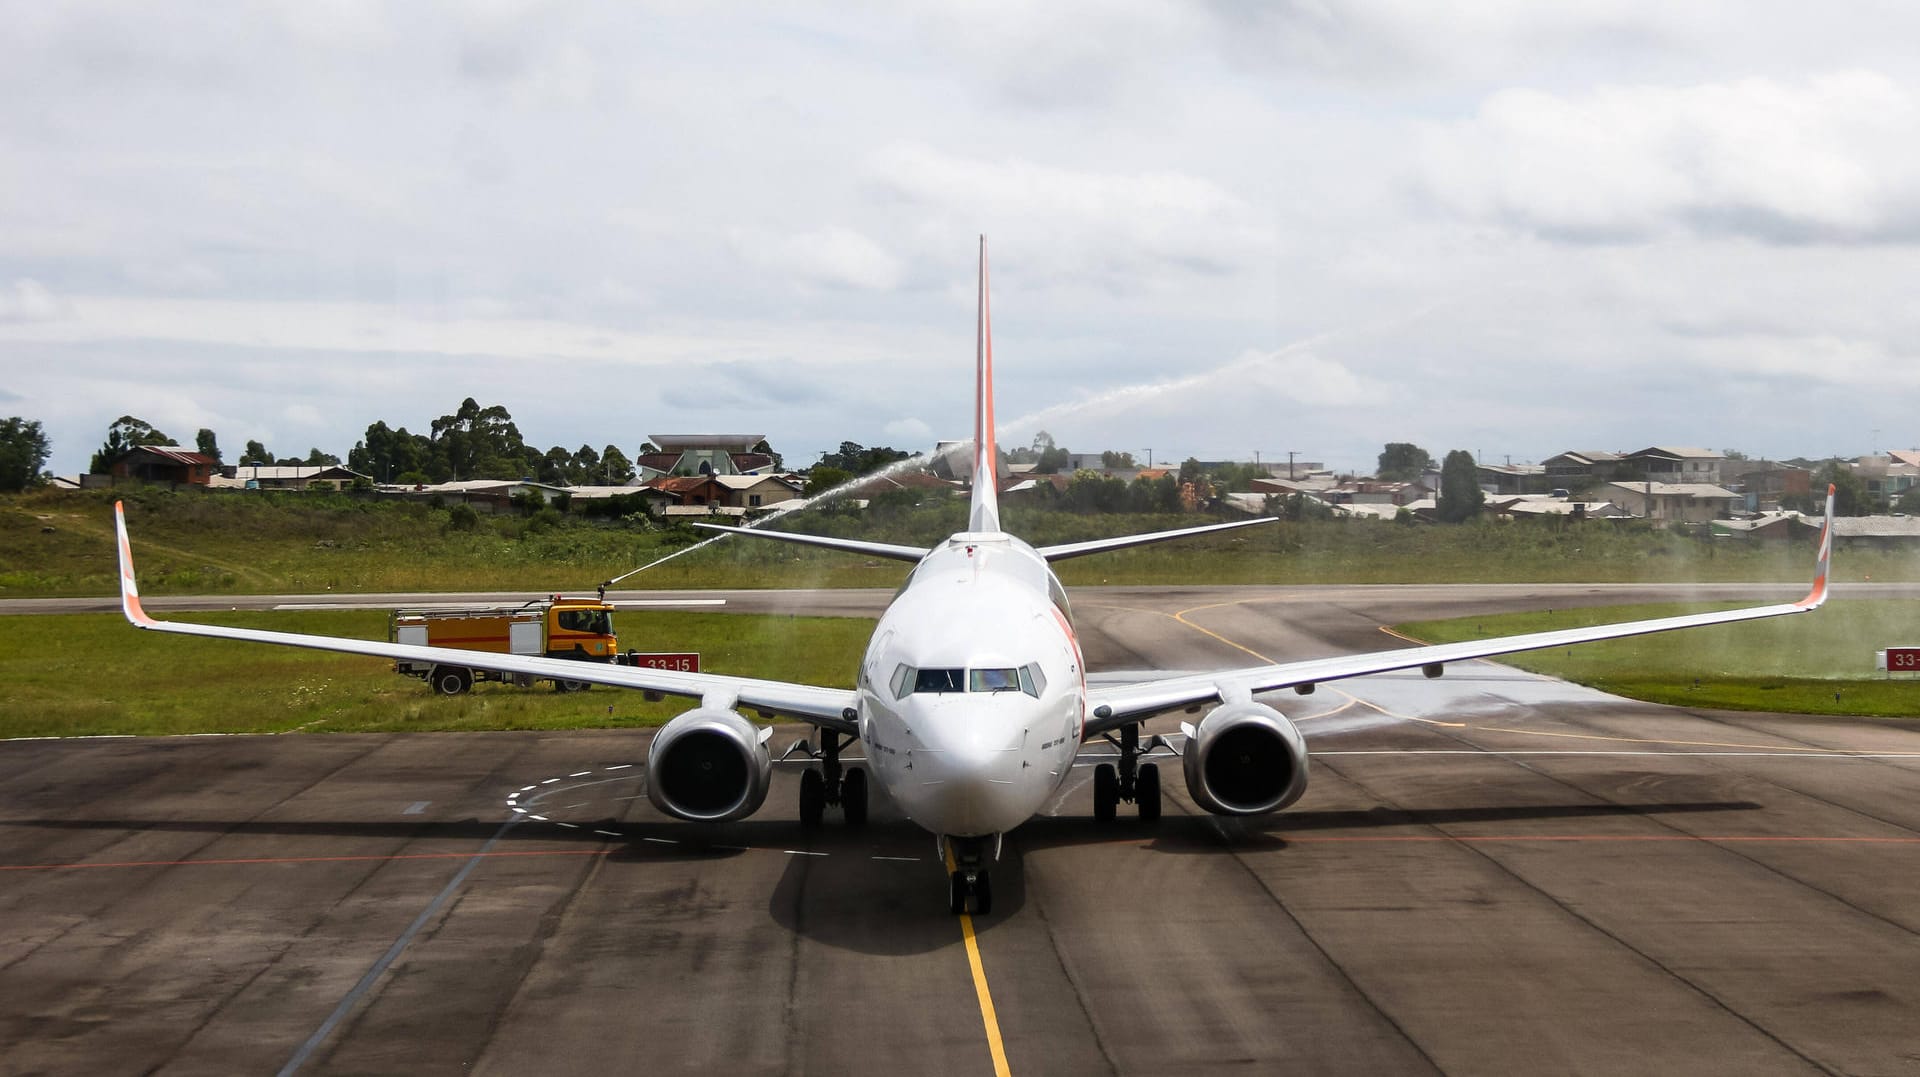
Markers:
point(969, 773)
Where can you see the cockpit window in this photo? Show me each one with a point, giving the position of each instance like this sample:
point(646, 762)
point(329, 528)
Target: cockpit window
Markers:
point(994, 680)
point(907, 680)
point(939, 680)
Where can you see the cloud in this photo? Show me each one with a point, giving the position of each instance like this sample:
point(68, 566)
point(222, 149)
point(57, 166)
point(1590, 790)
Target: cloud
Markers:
point(827, 258)
point(1830, 159)
point(911, 431)
point(1104, 226)
point(27, 300)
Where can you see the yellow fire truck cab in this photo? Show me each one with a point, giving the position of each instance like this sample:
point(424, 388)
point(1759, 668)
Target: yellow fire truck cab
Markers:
point(556, 626)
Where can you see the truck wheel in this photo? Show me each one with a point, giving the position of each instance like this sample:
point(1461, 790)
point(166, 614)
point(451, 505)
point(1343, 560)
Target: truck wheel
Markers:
point(451, 680)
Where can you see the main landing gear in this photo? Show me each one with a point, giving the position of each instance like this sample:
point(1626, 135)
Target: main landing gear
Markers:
point(968, 888)
point(1132, 780)
point(828, 785)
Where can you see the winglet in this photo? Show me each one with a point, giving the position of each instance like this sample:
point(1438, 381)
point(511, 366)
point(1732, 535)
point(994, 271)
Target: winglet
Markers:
point(129, 589)
point(985, 514)
point(1819, 593)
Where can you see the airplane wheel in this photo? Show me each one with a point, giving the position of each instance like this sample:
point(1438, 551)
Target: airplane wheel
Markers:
point(813, 798)
point(956, 893)
point(1146, 792)
point(451, 680)
point(853, 796)
point(982, 894)
point(1106, 791)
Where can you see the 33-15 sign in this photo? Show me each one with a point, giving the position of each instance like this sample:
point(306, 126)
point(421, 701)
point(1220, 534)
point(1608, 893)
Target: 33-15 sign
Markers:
point(1901, 660)
point(681, 662)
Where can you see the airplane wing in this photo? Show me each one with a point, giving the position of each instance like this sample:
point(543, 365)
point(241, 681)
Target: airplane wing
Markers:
point(875, 549)
point(1112, 707)
point(828, 707)
point(1081, 549)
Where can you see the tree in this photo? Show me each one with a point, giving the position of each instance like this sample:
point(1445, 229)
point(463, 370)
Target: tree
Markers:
point(477, 443)
point(1052, 460)
point(1460, 495)
point(1116, 460)
point(1909, 502)
point(316, 458)
point(207, 444)
point(126, 433)
point(1850, 497)
point(856, 460)
point(256, 454)
point(821, 478)
point(617, 470)
point(23, 452)
point(1403, 461)
point(761, 446)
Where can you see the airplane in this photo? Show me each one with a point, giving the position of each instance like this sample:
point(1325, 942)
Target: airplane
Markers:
point(971, 702)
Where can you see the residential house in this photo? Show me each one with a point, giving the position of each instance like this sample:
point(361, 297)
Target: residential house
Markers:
point(1677, 464)
point(1673, 502)
point(163, 463)
point(1576, 469)
point(286, 476)
point(754, 492)
point(1764, 483)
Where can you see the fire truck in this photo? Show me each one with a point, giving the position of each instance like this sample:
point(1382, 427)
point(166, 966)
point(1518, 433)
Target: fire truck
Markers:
point(556, 627)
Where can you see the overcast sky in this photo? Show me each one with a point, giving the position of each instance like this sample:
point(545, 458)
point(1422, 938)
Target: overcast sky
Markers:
point(1217, 229)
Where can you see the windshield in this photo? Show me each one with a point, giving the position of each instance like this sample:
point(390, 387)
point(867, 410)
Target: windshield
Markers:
point(907, 680)
point(594, 622)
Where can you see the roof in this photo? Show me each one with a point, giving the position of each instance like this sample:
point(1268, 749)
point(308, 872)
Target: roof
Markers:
point(1906, 456)
point(748, 482)
point(284, 472)
point(1875, 526)
point(678, 443)
point(678, 484)
point(1701, 491)
point(1680, 452)
point(1591, 456)
point(174, 454)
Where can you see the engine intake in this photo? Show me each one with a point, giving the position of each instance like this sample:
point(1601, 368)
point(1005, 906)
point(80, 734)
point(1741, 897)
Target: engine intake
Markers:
point(709, 765)
point(1245, 759)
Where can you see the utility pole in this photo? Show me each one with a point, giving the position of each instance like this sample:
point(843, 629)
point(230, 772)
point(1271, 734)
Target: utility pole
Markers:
point(1291, 453)
point(1149, 453)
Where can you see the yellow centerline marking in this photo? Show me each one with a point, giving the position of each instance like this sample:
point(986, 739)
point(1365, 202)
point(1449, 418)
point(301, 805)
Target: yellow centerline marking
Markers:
point(987, 1017)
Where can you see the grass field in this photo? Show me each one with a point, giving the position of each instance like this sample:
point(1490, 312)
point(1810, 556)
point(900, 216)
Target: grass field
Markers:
point(1817, 663)
point(94, 674)
point(57, 544)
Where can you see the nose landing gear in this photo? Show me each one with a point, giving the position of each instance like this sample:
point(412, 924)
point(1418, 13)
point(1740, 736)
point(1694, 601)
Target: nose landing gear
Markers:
point(1131, 780)
point(968, 886)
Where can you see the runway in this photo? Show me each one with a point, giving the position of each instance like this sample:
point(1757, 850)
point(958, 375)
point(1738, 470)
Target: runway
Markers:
point(1492, 872)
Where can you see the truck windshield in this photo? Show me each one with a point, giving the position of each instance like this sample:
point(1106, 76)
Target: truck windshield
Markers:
point(593, 622)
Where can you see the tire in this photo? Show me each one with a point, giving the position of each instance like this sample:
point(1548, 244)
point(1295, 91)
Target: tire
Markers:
point(451, 680)
point(982, 894)
point(1106, 791)
point(853, 796)
point(956, 893)
point(1146, 792)
point(813, 798)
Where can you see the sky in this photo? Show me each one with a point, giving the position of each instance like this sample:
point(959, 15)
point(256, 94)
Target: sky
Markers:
point(1224, 229)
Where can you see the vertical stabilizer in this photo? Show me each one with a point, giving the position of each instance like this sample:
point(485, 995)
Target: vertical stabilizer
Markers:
point(986, 472)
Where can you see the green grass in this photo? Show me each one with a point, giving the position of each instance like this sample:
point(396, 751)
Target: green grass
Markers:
point(61, 543)
point(1817, 663)
point(94, 674)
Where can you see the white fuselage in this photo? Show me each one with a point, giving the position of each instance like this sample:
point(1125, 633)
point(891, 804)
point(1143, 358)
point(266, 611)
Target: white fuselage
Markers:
point(973, 691)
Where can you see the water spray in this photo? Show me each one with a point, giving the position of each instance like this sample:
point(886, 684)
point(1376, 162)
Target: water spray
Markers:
point(898, 467)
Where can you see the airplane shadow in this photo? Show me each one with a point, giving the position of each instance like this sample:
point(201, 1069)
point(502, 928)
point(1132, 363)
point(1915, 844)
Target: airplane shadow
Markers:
point(878, 889)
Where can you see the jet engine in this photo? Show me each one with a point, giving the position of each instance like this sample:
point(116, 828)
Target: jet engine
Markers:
point(709, 765)
point(1245, 759)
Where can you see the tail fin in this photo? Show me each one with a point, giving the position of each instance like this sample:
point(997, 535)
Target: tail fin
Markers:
point(985, 515)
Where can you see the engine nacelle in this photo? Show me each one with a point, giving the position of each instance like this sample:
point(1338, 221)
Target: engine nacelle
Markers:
point(1245, 759)
point(709, 765)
